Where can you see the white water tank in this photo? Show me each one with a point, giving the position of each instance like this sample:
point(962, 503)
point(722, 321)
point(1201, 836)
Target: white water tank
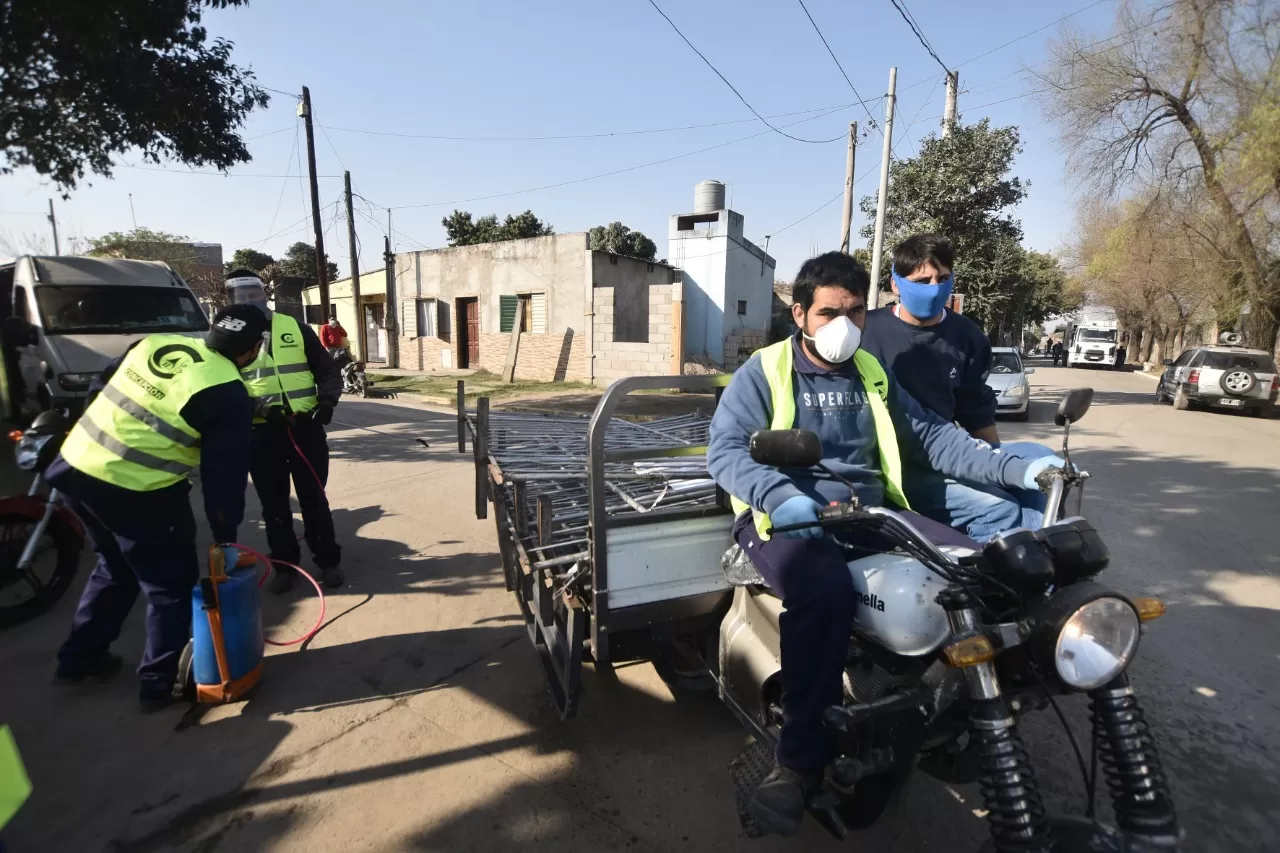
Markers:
point(708, 197)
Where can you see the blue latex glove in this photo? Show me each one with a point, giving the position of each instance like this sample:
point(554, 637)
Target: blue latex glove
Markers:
point(797, 510)
point(1038, 467)
point(230, 556)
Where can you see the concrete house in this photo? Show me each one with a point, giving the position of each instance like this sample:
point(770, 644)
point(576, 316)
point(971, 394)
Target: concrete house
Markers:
point(582, 315)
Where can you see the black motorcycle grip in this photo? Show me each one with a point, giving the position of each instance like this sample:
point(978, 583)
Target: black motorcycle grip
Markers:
point(787, 528)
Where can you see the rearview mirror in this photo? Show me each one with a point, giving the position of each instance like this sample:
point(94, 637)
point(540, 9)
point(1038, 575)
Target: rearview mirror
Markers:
point(1028, 371)
point(1073, 406)
point(19, 333)
point(1168, 362)
point(786, 448)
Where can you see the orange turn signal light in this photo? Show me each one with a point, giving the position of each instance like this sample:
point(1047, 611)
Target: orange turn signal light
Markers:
point(15, 435)
point(969, 651)
point(1149, 608)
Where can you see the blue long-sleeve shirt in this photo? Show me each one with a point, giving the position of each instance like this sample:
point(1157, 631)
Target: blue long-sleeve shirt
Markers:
point(222, 415)
point(833, 403)
point(944, 366)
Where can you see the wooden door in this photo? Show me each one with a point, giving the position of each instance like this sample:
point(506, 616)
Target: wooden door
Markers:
point(468, 333)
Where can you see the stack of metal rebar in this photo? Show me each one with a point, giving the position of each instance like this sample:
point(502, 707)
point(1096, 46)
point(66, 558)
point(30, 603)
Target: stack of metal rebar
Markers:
point(546, 455)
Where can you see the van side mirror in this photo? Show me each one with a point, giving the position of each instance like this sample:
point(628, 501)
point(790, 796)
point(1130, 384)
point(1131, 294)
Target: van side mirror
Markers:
point(1073, 406)
point(1168, 362)
point(786, 448)
point(19, 333)
point(1028, 371)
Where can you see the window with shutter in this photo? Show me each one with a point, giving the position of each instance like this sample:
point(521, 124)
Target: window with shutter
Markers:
point(537, 311)
point(507, 312)
point(409, 318)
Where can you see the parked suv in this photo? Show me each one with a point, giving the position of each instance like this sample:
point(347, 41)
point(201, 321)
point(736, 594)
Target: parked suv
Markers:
point(1221, 377)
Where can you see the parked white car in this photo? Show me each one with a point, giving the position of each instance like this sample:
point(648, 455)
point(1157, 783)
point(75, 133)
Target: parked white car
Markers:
point(1221, 377)
point(1008, 379)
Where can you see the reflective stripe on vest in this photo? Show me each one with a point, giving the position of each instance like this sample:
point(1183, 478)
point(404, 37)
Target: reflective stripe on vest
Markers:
point(776, 361)
point(281, 372)
point(133, 434)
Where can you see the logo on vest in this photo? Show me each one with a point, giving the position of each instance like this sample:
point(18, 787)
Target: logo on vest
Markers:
point(170, 360)
point(287, 339)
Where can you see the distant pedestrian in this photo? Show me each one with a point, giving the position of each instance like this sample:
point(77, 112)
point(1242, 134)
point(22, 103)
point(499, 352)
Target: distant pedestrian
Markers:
point(332, 336)
point(1057, 352)
point(1122, 355)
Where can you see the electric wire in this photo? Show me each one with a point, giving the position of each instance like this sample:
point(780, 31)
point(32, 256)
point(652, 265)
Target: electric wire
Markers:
point(732, 88)
point(875, 125)
point(906, 16)
point(283, 186)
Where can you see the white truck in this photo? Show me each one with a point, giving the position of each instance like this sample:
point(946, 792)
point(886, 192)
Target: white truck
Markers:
point(1092, 342)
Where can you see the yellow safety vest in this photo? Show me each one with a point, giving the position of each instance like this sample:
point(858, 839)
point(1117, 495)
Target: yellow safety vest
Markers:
point(282, 374)
point(776, 359)
point(133, 434)
point(15, 785)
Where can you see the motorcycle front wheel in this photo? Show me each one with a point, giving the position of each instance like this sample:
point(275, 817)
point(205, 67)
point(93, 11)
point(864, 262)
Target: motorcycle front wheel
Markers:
point(24, 595)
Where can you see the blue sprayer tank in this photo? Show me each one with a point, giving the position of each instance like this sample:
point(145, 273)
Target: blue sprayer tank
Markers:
point(234, 624)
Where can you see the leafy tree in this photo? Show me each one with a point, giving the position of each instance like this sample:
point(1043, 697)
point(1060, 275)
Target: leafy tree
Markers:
point(960, 186)
point(621, 240)
point(84, 80)
point(299, 261)
point(1186, 105)
point(249, 259)
point(461, 230)
point(144, 244)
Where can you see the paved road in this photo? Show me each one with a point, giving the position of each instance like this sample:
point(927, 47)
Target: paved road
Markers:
point(417, 720)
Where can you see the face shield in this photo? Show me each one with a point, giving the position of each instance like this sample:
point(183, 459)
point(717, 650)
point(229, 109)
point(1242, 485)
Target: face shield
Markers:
point(248, 290)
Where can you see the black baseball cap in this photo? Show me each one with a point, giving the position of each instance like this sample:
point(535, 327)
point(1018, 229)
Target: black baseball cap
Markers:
point(236, 329)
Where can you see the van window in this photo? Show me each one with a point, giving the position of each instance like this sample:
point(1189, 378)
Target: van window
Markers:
point(110, 308)
point(21, 305)
point(1232, 360)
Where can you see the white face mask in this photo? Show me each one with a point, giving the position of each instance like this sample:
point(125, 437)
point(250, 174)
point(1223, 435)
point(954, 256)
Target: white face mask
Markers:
point(837, 341)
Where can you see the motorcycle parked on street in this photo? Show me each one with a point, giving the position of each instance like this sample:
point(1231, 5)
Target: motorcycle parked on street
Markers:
point(354, 380)
point(40, 537)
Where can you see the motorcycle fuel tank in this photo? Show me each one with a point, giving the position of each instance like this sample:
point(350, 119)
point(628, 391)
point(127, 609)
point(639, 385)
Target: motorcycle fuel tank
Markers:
point(897, 604)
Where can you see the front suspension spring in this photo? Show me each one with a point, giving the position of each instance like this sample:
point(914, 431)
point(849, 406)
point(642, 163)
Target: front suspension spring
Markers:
point(1015, 809)
point(1127, 751)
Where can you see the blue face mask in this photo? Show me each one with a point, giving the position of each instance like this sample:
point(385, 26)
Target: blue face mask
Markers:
point(924, 301)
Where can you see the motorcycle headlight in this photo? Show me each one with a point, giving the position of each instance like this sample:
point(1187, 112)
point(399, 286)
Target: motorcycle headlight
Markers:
point(1096, 643)
point(1087, 634)
point(27, 451)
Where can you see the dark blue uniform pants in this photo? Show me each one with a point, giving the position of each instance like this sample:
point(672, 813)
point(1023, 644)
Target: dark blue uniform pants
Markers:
point(273, 463)
point(812, 577)
point(145, 541)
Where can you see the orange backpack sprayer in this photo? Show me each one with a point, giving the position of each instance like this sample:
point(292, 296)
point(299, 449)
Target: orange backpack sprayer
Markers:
point(224, 657)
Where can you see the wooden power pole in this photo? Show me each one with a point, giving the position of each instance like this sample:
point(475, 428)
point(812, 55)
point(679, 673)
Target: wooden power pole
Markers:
point(53, 223)
point(355, 266)
point(847, 225)
point(882, 202)
point(322, 263)
point(949, 113)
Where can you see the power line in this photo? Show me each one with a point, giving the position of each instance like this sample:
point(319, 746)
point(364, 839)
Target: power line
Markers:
point(278, 91)
point(283, 186)
point(1032, 32)
point(874, 124)
point(725, 80)
point(210, 174)
point(822, 206)
point(607, 174)
point(599, 135)
point(900, 5)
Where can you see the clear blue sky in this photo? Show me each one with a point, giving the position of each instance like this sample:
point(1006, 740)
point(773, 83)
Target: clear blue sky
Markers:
point(518, 68)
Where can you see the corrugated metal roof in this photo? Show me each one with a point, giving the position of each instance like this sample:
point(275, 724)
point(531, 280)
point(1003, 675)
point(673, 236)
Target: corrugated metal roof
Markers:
point(75, 270)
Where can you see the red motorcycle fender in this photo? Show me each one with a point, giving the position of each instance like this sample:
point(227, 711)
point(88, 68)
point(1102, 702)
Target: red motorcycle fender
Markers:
point(33, 508)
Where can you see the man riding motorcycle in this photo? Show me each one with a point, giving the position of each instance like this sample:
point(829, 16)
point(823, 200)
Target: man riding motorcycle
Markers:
point(942, 360)
point(820, 380)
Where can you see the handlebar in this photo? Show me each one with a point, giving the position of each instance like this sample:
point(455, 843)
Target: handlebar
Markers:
point(1054, 483)
point(876, 517)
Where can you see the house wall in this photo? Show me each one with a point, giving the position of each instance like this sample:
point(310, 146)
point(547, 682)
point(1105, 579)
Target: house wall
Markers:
point(557, 266)
point(373, 289)
point(618, 359)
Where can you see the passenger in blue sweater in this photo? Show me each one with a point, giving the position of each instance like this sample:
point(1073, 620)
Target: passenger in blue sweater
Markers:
point(942, 359)
point(836, 395)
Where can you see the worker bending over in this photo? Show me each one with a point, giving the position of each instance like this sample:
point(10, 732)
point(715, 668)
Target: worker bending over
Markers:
point(295, 385)
point(170, 403)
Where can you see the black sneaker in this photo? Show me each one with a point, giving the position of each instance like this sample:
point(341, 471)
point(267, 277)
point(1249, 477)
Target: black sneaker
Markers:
point(282, 580)
point(108, 665)
point(333, 577)
point(778, 804)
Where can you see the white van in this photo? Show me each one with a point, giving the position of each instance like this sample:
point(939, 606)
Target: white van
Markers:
point(63, 319)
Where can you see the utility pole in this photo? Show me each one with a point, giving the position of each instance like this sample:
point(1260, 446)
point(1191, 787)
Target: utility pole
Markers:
point(393, 306)
point(949, 114)
point(322, 267)
point(847, 225)
point(882, 202)
point(133, 213)
point(355, 267)
point(53, 223)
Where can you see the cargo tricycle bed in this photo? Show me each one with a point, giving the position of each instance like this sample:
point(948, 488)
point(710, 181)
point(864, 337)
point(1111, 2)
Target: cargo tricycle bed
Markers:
point(611, 531)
